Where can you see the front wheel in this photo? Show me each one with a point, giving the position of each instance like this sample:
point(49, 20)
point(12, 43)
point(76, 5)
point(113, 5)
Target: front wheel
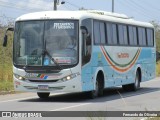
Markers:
point(43, 95)
point(98, 89)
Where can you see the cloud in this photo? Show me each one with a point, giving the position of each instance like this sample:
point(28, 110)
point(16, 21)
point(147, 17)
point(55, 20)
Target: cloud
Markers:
point(36, 5)
point(31, 5)
point(4, 0)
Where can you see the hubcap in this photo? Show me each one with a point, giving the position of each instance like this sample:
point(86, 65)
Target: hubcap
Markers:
point(136, 81)
point(95, 92)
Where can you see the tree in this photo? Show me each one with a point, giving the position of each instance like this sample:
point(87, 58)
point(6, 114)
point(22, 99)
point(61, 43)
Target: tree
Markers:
point(157, 34)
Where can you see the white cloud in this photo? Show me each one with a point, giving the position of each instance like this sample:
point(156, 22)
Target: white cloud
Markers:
point(32, 5)
point(4, 0)
point(36, 4)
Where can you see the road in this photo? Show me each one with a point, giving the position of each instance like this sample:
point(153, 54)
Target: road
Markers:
point(114, 99)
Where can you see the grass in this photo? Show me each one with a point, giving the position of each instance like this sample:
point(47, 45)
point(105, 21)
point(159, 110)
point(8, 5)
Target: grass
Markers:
point(158, 68)
point(6, 72)
point(155, 118)
point(6, 86)
point(6, 78)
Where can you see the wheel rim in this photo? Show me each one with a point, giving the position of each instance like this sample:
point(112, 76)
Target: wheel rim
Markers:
point(137, 81)
point(95, 92)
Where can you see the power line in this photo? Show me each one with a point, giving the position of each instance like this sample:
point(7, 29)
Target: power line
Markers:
point(139, 9)
point(151, 6)
point(5, 20)
point(76, 6)
point(65, 6)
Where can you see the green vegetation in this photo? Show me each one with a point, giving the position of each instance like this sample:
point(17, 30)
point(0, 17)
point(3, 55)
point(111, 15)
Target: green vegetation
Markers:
point(155, 118)
point(157, 34)
point(6, 86)
point(158, 68)
point(6, 78)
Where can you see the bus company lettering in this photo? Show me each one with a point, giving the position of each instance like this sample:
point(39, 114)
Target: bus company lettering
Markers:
point(63, 25)
point(123, 55)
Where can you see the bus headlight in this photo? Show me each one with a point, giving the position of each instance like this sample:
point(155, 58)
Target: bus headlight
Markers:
point(19, 77)
point(69, 77)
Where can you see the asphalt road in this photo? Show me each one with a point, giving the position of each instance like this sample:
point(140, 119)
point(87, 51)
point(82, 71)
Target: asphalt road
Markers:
point(115, 99)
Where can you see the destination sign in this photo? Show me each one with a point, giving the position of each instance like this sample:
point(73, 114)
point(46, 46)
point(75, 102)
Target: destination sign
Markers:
point(64, 25)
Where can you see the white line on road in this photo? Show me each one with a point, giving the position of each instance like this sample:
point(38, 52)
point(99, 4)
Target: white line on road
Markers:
point(17, 99)
point(70, 107)
point(26, 98)
point(155, 80)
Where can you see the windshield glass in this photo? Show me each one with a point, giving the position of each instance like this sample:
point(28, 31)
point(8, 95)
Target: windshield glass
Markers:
point(58, 37)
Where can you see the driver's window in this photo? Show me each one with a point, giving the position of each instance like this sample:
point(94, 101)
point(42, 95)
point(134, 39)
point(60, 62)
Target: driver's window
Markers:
point(86, 41)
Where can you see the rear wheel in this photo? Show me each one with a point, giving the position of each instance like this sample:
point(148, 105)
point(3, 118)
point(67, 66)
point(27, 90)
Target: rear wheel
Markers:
point(43, 95)
point(134, 86)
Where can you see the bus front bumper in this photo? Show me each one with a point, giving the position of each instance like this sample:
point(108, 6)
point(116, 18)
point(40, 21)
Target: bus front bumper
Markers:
point(73, 85)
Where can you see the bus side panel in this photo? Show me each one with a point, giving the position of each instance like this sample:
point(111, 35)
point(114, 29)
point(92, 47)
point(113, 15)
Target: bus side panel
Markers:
point(118, 68)
point(86, 75)
point(122, 61)
point(99, 63)
point(147, 61)
point(90, 70)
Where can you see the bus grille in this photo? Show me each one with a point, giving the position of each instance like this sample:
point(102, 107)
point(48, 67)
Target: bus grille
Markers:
point(50, 88)
point(42, 81)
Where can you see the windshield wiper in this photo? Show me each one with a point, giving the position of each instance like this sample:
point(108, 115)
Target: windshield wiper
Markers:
point(45, 52)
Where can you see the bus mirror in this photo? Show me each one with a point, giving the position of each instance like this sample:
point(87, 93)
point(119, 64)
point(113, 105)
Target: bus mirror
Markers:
point(5, 41)
point(84, 28)
point(10, 29)
point(88, 39)
point(6, 37)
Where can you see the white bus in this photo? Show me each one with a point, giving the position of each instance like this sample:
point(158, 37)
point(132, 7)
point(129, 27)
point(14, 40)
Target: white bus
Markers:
point(81, 51)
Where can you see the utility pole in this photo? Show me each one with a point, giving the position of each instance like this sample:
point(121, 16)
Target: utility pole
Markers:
point(113, 6)
point(55, 5)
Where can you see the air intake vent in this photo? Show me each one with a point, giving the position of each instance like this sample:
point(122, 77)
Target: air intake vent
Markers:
point(109, 14)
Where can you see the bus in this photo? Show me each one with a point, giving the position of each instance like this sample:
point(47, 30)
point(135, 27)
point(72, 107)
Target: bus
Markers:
point(81, 51)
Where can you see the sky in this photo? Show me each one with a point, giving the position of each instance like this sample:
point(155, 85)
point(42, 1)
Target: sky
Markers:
point(142, 10)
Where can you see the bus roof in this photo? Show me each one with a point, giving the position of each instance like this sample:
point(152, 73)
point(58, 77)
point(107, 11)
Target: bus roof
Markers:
point(79, 15)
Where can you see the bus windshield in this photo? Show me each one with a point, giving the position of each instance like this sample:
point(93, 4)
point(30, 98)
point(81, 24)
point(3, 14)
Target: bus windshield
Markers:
point(58, 37)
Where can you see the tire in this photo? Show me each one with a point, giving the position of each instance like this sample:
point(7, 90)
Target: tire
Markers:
point(98, 91)
point(126, 87)
point(43, 95)
point(134, 86)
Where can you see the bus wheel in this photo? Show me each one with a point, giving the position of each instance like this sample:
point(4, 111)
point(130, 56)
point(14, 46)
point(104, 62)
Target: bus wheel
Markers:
point(134, 86)
point(43, 95)
point(98, 89)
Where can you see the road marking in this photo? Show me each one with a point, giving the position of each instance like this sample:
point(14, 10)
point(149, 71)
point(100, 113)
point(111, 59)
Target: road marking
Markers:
point(147, 118)
point(154, 80)
point(70, 107)
point(26, 98)
point(17, 99)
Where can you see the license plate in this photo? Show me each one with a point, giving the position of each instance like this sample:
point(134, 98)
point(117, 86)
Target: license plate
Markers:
point(43, 87)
